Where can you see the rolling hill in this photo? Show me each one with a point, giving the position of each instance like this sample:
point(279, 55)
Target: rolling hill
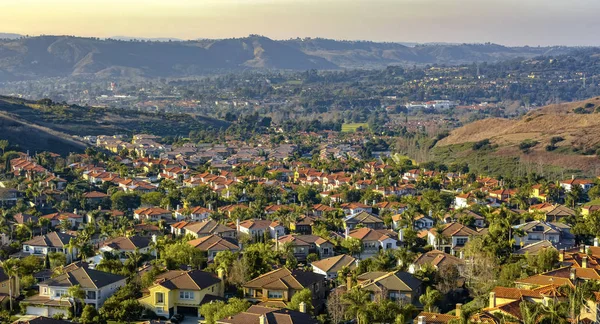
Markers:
point(40, 125)
point(561, 135)
point(62, 56)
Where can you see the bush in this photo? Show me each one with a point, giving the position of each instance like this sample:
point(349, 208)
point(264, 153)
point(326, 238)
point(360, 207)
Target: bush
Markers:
point(580, 110)
point(556, 139)
point(589, 105)
point(483, 144)
point(527, 144)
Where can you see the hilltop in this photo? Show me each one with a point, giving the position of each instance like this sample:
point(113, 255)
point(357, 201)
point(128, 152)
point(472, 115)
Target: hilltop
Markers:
point(43, 125)
point(62, 56)
point(560, 135)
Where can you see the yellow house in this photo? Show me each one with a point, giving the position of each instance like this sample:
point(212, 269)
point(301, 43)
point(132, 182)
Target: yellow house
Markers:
point(182, 292)
point(4, 285)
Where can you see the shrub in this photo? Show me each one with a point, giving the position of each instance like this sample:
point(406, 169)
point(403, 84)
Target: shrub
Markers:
point(589, 105)
point(483, 144)
point(527, 144)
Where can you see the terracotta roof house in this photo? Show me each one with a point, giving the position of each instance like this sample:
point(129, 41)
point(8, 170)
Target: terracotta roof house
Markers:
point(152, 214)
point(395, 285)
point(585, 184)
point(303, 245)
point(97, 285)
point(329, 267)
point(452, 238)
point(203, 228)
point(278, 286)
point(192, 213)
point(559, 212)
point(355, 208)
point(365, 219)
point(303, 224)
point(265, 315)
point(213, 244)
point(258, 228)
point(437, 259)
point(55, 218)
point(374, 240)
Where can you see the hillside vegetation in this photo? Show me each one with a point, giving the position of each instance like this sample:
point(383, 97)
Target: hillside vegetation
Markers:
point(42, 125)
point(562, 135)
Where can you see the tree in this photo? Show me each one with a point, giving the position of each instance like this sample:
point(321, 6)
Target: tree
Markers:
point(577, 297)
point(353, 245)
point(11, 269)
point(218, 310)
point(3, 145)
point(336, 308)
point(357, 301)
point(303, 296)
point(130, 310)
point(57, 259)
point(90, 315)
point(125, 201)
point(429, 298)
point(76, 294)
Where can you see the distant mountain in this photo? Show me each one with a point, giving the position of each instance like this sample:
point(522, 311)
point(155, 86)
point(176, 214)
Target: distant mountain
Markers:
point(155, 39)
point(50, 56)
point(9, 36)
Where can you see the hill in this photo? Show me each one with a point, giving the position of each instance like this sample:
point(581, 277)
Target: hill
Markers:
point(52, 56)
point(43, 125)
point(562, 135)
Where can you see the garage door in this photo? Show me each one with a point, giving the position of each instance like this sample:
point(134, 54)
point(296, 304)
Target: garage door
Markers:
point(188, 311)
point(39, 311)
point(53, 311)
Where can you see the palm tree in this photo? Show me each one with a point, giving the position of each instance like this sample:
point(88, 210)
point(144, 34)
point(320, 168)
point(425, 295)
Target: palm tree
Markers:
point(358, 301)
point(43, 223)
point(73, 247)
point(133, 260)
point(554, 312)
point(429, 298)
point(577, 297)
point(530, 312)
point(75, 293)
point(11, 269)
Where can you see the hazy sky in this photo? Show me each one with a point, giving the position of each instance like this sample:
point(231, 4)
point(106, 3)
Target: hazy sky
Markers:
point(510, 22)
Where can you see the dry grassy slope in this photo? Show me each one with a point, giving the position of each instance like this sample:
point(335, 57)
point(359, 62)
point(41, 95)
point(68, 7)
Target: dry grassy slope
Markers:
point(578, 130)
point(540, 125)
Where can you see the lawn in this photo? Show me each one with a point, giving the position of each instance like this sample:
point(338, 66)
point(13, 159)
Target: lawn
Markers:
point(346, 128)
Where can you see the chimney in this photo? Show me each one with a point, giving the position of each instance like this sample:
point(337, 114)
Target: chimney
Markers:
point(365, 201)
point(584, 261)
point(572, 177)
point(302, 307)
point(582, 248)
point(458, 310)
point(430, 213)
point(561, 255)
point(154, 238)
point(276, 240)
point(596, 242)
point(492, 299)
point(373, 202)
point(348, 282)
point(421, 320)
point(75, 211)
point(262, 319)
point(572, 274)
point(237, 224)
point(347, 234)
point(178, 207)
point(278, 202)
point(221, 273)
point(461, 254)
point(209, 206)
point(401, 235)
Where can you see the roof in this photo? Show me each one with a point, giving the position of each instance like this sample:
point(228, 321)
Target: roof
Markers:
point(283, 278)
point(207, 227)
point(151, 211)
point(272, 316)
point(127, 243)
point(437, 258)
point(395, 280)
point(336, 263)
point(86, 278)
point(457, 229)
point(302, 239)
point(258, 224)
point(515, 293)
point(368, 234)
point(363, 218)
point(52, 239)
point(213, 242)
point(535, 248)
point(40, 320)
point(437, 318)
point(189, 280)
point(95, 194)
point(561, 211)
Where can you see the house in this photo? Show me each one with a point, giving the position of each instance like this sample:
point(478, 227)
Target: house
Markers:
point(470, 217)
point(329, 267)
point(278, 286)
point(94, 198)
point(152, 214)
point(40, 320)
point(584, 184)
point(558, 213)
point(394, 206)
point(365, 219)
point(258, 228)
point(435, 318)
point(353, 208)
point(319, 210)
point(48, 243)
point(193, 213)
point(374, 240)
point(463, 200)
point(396, 286)
point(7, 284)
point(452, 239)
point(267, 315)
point(588, 209)
point(204, 228)
point(73, 218)
point(51, 300)
point(182, 292)
point(303, 224)
point(212, 245)
point(303, 245)
point(438, 260)
point(120, 246)
point(535, 231)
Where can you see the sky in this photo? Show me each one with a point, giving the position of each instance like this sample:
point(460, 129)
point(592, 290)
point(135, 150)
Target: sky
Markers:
point(508, 22)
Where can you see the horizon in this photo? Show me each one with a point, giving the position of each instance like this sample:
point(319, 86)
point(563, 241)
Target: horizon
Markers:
point(507, 22)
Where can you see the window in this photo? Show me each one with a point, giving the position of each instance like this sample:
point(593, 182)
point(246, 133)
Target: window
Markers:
point(275, 294)
point(160, 298)
point(90, 295)
point(461, 241)
point(60, 293)
point(326, 251)
point(183, 294)
point(158, 310)
point(45, 291)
